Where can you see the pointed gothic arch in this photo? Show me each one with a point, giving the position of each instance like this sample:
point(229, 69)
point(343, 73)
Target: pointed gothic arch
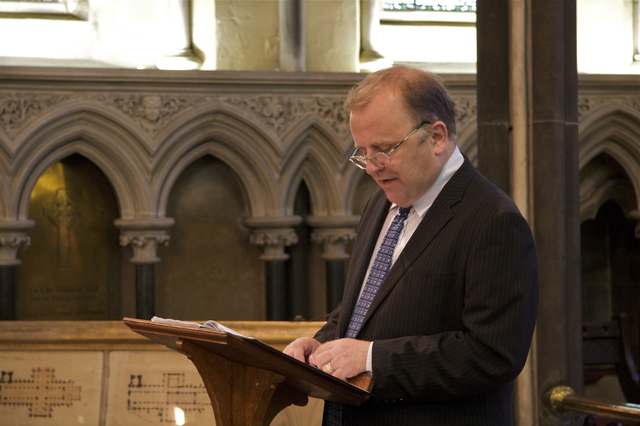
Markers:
point(102, 137)
point(246, 145)
point(612, 131)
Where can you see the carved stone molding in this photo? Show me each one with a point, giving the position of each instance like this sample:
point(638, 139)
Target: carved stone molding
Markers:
point(334, 233)
point(152, 111)
point(334, 242)
point(466, 110)
point(589, 103)
point(144, 236)
point(281, 112)
point(13, 238)
point(274, 234)
point(16, 108)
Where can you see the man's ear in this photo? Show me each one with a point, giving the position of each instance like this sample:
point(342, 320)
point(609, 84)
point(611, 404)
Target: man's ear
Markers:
point(439, 137)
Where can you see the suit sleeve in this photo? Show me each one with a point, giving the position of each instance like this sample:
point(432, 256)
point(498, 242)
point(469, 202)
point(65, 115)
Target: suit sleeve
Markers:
point(328, 331)
point(489, 347)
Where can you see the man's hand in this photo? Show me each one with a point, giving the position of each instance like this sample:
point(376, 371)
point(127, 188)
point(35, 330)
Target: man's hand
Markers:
point(342, 358)
point(301, 348)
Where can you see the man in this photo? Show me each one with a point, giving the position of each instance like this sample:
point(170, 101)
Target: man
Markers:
point(446, 329)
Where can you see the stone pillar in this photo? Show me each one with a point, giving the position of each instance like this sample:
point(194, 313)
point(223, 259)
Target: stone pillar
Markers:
point(144, 236)
point(292, 48)
point(274, 234)
point(528, 146)
point(492, 24)
point(334, 233)
point(556, 203)
point(370, 57)
point(13, 238)
point(180, 55)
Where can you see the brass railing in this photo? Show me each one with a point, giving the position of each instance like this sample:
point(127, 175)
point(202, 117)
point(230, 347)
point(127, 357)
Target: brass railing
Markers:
point(562, 399)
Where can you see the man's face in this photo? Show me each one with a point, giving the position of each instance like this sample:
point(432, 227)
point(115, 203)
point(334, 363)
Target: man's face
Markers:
point(414, 165)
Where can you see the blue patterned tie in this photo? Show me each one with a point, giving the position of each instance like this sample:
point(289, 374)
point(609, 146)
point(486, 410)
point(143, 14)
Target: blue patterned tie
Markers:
point(379, 269)
point(381, 265)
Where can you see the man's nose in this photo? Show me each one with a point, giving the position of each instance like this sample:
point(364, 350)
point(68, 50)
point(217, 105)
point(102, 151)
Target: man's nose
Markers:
point(372, 167)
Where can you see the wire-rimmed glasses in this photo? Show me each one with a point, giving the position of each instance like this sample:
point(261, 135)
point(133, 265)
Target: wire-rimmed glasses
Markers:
point(381, 158)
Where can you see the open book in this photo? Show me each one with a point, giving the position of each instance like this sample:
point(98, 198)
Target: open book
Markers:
point(362, 381)
point(209, 324)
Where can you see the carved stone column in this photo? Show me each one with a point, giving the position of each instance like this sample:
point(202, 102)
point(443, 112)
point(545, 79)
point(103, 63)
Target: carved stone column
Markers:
point(274, 234)
point(12, 239)
point(144, 236)
point(370, 57)
point(292, 51)
point(180, 55)
point(334, 233)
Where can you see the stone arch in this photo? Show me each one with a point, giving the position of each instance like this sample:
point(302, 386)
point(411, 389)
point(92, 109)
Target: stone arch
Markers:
point(99, 135)
point(613, 130)
point(243, 143)
point(314, 155)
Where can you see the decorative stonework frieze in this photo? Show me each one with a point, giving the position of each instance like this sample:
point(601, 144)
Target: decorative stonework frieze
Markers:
point(16, 108)
point(150, 111)
point(589, 103)
point(281, 112)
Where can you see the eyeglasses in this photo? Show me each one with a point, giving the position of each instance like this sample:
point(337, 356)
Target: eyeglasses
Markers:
point(380, 159)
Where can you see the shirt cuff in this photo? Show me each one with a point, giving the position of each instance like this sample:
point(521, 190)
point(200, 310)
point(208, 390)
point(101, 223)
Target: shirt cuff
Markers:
point(370, 358)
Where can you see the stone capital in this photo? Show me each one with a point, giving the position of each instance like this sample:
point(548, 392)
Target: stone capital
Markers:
point(274, 234)
point(334, 241)
point(144, 236)
point(13, 238)
point(334, 233)
point(274, 241)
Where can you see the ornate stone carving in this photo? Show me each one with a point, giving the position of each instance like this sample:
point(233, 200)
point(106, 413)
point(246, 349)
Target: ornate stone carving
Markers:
point(281, 112)
point(144, 246)
point(149, 111)
point(466, 110)
point(274, 241)
point(334, 242)
point(144, 236)
point(16, 108)
point(589, 103)
point(10, 244)
point(13, 238)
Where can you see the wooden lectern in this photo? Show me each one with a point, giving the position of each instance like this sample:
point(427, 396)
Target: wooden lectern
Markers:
point(248, 381)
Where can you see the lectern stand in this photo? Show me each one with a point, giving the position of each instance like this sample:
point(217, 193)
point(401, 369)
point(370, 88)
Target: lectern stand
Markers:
point(248, 381)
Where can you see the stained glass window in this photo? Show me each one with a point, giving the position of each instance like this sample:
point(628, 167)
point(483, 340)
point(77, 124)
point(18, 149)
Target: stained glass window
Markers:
point(431, 5)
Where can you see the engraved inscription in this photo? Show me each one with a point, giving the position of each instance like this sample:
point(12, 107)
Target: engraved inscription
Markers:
point(41, 393)
point(156, 401)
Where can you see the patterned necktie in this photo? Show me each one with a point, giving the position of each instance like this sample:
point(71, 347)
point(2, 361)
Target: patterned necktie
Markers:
point(333, 410)
point(381, 266)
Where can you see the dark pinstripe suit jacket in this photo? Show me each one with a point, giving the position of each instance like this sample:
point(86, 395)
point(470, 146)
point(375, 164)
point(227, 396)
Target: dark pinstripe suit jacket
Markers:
point(453, 320)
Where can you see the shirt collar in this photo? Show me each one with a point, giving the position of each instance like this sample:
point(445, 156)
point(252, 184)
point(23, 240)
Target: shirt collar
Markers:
point(450, 167)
